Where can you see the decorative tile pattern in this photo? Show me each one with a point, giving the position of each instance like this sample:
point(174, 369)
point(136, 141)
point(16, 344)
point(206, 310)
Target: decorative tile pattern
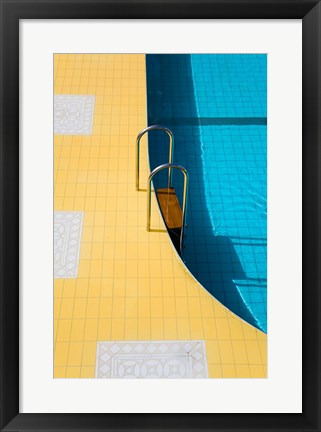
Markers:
point(151, 359)
point(73, 114)
point(67, 236)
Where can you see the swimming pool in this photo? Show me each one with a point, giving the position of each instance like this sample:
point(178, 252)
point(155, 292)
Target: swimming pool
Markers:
point(216, 107)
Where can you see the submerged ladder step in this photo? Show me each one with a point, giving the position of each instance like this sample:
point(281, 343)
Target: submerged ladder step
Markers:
point(170, 207)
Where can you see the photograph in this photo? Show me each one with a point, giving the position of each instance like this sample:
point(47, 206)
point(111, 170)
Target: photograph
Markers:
point(160, 216)
point(160, 194)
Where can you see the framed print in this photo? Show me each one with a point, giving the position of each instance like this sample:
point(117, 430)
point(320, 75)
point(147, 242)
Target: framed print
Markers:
point(155, 194)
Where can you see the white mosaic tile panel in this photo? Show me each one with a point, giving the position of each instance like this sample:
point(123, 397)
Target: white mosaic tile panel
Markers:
point(73, 114)
point(67, 237)
point(151, 359)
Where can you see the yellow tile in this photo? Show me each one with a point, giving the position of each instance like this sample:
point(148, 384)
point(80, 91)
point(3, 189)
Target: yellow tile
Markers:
point(120, 250)
point(194, 306)
point(64, 328)
point(182, 307)
point(197, 331)
point(117, 329)
point(80, 308)
point(73, 372)
point(66, 310)
point(60, 372)
point(213, 352)
point(91, 330)
point(105, 308)
point(228, 371)
point(56, 322)
point(131, 287)
point(143, 251)
point(82, 288)
point(61, 353)
point(84, 268)
point(257, 371)
point(57, 305)
point(143, 287)
point(92, 308)
point(240, 353)
point(207, 307)
point(226, 352)
point(168, 287)
point(236, 330)
point(96, 268)
point(99, 221)
point(118, 308)
point(77, 330)
point(119, 287)
point(75, 352)
point(219, 311)
point(250, 333)
point(156, 289)
point(243, 371)
point(180, 287)
point(94, 288)
point(183, 328)
point(104, 329)
point(144, 308)
point(209, 326)
point(131, 269)
point(58, 288)
point(120, 268)
point(87, 372)
point(97, 251)
point(170, 328)
point(131, 329)
point(157, 328)
point(169, 307)
point(130, 283)
point(89, 354)
point(263, 350)
point(131, 308)
point(87, 234)
point(253, 352)
point(107, 285)
point(215, 371)
point(91, 190)
point(144, 328)
point(108, 268)
point(222, 327)
point(156, 307)
point(69, 288)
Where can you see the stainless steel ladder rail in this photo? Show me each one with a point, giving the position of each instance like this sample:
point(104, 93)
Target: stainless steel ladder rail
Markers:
point(150, 177)
point(171, 150)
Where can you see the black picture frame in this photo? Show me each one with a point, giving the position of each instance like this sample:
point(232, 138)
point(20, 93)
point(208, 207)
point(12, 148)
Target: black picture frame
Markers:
point(14, 10)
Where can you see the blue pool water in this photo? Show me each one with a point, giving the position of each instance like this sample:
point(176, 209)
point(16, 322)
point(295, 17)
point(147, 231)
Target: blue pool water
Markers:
point(216, 107)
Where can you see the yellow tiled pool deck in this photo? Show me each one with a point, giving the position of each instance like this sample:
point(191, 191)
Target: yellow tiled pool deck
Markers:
point(131, 285)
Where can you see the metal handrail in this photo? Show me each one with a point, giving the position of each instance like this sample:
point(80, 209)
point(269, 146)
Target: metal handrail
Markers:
point(150, 177)
point(171, 150)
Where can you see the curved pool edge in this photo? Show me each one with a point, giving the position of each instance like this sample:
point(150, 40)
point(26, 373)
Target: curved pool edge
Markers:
point(184, 267)
point(170, 86)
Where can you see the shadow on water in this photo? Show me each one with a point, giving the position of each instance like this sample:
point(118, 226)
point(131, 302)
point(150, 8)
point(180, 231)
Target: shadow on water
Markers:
point(211, 258)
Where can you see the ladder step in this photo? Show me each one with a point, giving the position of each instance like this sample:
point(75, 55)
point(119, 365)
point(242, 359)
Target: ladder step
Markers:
point(170, 207)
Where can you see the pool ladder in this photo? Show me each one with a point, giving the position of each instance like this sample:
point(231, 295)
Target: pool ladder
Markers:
point(172, 213)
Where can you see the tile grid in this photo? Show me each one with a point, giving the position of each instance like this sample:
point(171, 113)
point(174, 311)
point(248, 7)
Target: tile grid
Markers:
point(88, 323)
point(216, 265)
point(162, 288)
point(73, 207)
